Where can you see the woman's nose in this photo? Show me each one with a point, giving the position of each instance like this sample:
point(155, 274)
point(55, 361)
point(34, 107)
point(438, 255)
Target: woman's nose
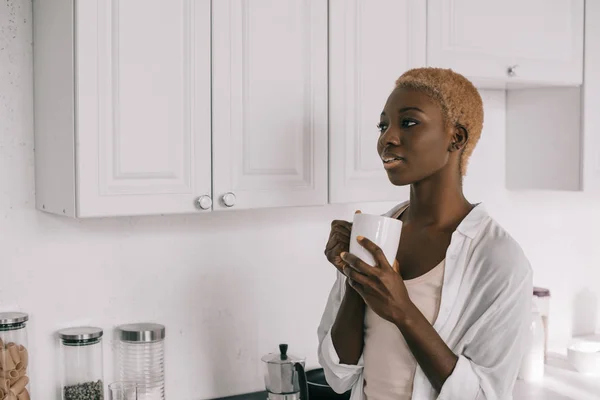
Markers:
point(391, 137)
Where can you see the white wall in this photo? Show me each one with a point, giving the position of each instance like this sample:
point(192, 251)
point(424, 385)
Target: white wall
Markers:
point(231, 286)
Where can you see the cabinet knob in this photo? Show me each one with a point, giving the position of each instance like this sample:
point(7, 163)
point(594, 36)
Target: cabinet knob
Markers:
point(204, 202)
point(229, 199)
point(512, 70)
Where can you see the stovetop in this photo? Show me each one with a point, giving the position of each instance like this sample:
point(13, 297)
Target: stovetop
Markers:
point(248, 396)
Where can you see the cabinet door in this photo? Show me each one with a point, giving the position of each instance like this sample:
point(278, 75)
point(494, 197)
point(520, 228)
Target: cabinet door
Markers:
point(372, 42)
point(143, 106)
point(532, 41)
point(591, 99)
point(269, 103)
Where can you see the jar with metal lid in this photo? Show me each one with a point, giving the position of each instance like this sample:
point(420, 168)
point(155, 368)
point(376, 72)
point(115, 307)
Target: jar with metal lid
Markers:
point(541, 298)
point(532, 363)
point(82, 366)
point(141, 358)
point(14, 356)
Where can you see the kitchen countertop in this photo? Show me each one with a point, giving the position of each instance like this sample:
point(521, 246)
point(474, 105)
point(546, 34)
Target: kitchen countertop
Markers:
point(561, 382)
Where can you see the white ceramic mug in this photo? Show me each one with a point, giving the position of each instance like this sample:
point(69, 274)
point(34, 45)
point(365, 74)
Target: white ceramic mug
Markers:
point(383, 231)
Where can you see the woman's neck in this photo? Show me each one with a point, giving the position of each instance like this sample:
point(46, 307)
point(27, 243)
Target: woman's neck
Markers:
point(438, 201)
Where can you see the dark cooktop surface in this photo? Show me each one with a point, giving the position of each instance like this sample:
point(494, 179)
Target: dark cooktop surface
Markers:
point(248, 396)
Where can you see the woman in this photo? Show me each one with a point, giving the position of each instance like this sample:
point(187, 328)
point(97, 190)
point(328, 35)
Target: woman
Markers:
point(449, 320)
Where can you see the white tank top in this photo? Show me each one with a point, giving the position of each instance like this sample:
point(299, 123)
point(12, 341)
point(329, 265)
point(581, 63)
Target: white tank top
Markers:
point(389, 365)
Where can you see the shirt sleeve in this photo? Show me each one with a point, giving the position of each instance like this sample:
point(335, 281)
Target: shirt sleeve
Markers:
point(340, 377)
point(487, 368)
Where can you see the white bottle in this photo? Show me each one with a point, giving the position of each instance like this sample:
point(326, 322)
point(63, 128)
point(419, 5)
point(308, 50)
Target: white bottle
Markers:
point(532, 365)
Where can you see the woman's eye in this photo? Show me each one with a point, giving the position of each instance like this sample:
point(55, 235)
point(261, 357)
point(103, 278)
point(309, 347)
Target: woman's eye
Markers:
point(382, 127)
point(407, 123)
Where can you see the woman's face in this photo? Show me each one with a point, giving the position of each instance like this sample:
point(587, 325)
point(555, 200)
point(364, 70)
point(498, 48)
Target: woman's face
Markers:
point(414, 141)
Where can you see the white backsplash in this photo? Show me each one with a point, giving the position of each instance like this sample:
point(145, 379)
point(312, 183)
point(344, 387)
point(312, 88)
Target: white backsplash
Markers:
point(231, 286)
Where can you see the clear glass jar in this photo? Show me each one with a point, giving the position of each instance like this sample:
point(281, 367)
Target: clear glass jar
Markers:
point(532, 363)
point(14, 356)
point(141, 358)
point(82, 366)
point(541, 299)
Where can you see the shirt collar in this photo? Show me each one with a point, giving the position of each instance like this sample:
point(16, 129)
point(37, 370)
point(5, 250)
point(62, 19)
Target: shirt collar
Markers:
point(472, 223)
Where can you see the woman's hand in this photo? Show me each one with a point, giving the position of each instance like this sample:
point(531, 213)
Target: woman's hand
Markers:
point(339, 242)
point(348, 327)
point(380, 286)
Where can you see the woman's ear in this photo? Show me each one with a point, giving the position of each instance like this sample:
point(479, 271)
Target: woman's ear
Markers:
point(460, 137)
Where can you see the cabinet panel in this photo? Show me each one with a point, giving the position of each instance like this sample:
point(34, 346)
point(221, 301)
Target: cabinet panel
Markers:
point(543, 139)
point(558, 128)
point(270, 102)
point(591, 99)
point(371, 44)
point(143, 106)
point(542, 40)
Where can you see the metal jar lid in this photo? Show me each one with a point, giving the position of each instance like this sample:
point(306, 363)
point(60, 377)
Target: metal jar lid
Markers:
point(80, 333)
point(141, 332)
point(10, 318)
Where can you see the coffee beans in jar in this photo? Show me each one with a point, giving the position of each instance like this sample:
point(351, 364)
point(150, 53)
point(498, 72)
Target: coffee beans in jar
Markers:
point(84, 391)
point(82, 366)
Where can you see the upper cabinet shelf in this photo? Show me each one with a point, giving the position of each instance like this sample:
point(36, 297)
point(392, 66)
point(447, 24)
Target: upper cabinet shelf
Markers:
point(509, 42)
point(362, 72)
point(189, 106)
point(269, 102)
point(129, 119)
point(122, 106)
point(552, 140)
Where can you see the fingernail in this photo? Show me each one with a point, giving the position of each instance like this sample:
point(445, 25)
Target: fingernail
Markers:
point(360, 238)
point(343, 254)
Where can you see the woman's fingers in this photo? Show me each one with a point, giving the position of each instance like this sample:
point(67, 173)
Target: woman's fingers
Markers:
point(355, 277)
point(335, 239)
point(339, 241)
point(343, 226)
point(360, 289)
point(375, 250)
point(333, 256)
point(358, 264)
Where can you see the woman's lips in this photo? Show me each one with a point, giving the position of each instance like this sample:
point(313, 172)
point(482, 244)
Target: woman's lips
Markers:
point(392, 160)
point(393, 163)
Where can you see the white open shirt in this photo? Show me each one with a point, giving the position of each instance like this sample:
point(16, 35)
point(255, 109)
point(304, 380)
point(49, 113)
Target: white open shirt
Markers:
point(484, 316)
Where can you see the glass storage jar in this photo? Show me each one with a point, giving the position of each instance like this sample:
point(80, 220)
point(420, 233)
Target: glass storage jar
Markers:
point(82, 366)
point(141, 358)
point(541, 298)
point(14, 356)
point(532, 363)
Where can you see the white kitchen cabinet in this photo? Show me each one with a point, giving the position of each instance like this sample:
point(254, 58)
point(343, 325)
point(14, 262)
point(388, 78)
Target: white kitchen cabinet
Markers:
point(553, 140)
point(269, 103)
point(590, 116)
point(499, 43)
point(371, 43)
point(122, 106)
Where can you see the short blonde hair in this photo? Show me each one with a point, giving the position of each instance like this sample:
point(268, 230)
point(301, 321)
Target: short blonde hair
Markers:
point(459, 99)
